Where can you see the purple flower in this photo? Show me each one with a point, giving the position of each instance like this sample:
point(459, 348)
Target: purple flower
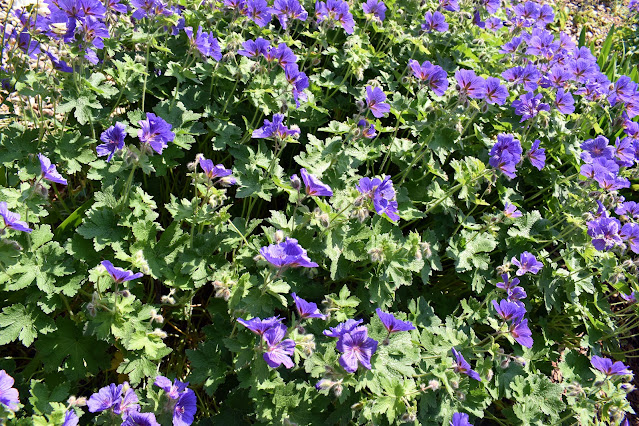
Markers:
point(113, 139)
point(511, 211)
point(278, 352)
point(255, 48)
point(494, 24)
point(434, 21)
point(506, 284)
point(469, 84)
point(116, 6)
point(149, 8)
point(382, 193)
point(93, 31)
point(495, 92)
point(287, 254)
point(630, 233)
point(140, 419)
point(259, 326)
point(632, 297)
point(529, 105)
point(625, 152)
point(9, 396)
point(173, 389)
point(392, 324)
point(368, 129)
point(185, 409)
point(59, 64)
point(376, 8)
point(606, 366)
point(564, 102)
point(274, 129)
point(460, 419)
point(536, 155)
point(357, 348)
point(11, 220)
point(282, 54)
point(626, 210)
point(119, 275)
point(433, 75)
point(542, 43)
point(604, 232)
point(511, 46)
point(521, 333)
point(582, 69)
point(450, 5)
point(258, 12)
point(306, 309)
point(289, 9)
point(508, 310)
point(527, 263)
point(70, 418)
point(299, 81)
point(335, 10)
point(342, 328)
point(375, 98)
point(557, 77)
point(462, 366)
point(128, 403)
point(515, 294)
point(155, 132)
point(205, 43)
point(106, 398)
point(212, 170)
point(623, 91)
point(314, 186)
point(506, 154)
point(49, 171)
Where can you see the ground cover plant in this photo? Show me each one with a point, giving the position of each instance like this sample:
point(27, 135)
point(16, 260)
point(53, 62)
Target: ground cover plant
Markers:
point(332, 213)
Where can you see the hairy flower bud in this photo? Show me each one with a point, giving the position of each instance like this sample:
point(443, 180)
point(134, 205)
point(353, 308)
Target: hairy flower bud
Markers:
point(362, 215)
point(408, 418)
point(337, 389)
point(454, 384)
point(504, 363)
point(461, 395)
point(288, 422)
point(376, 254)
point(91, 309)
point(434, 384)
point(159, 333)
point(425, 248)
point(316, 61)
point(296, 183)
point(279, 236)
point(489, 375)
point(41, 191)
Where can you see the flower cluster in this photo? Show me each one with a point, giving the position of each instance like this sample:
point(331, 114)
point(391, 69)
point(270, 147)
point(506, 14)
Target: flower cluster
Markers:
point(433, 76)
point(275, 129)
point(334, 12)
point(182, 402)
point(382, 195)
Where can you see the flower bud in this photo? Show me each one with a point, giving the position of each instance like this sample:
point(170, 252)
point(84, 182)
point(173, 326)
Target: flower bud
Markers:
point(434, 384)
point(489, 375)
point(461, 395)
point(521, 361)
point(360, 105)
point(454, 384)
point(362, 215)
point(425, 248)
point(324, 384)
point(484, 108)
point(296, 183)
point(324, 220)
point(91, 309)
point(159, 333)
point(408, 418)
point(41, 191)
point(125, 293)
point(337, 390)
point(357, 406)
point(376, 254)
point(279, 236)
point(316, 61)
point(505, 363)
point(574, 389)
point(287, 422)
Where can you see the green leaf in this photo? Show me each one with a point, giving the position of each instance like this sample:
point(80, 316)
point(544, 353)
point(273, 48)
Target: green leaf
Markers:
point(20, 322)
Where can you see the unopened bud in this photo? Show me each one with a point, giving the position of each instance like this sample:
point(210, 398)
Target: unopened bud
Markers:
point(521, 361)
point(315, 61)
point(91, 309)
point(337, 390)
point(324, 220)
point(408, 417)
point(454, 384)
point(159, 333)
point(124, 293)
point(324, 384)
point(357, 406)
point(425, 248)
point(489, 375)
point(376, 254)
point(362, 215)
point(296, 183)
point(505, 363)
point(288, 422)
point(360, 105)
point(434, 384)
point(41, 191)
point(167, 300)
point(461, 395)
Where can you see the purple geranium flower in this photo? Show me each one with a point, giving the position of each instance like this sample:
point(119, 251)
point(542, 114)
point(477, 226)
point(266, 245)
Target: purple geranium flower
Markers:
point(70, 418)
point(259, 326)
point(527, 263)
point(299, 81)
point(508, 310)
point(434, 21)
point(282, 54)
point(470, 84)
point(604, 232)
point(506, 154)
point(529, 105)
point(106, 398)
point(357, 348)
point(460, 419)
point(376, 8)
point(258, 11)
point(306, 309)
point(212, 170)
point(383, 195)
point(564, 102)
point(113, 139)
point(392, 324)
point(185, 409)
point(606, 366)
point(506, 284)
point(9, 396)
point(368, 129)
point(450, 5)
point(536, 155)
point(314, 186)
point(155, 132)
point(289, 9)
point(511, 46)
point(375, 98)
point(276, 128)
point(521, 333)
point(287, 254)
point(632, 297)
point(49, 171)
point(140, 419)
point(278, 351)
point(335, 10)
point(252, 49)
point(462, 366)
point(119, 275)
point(342, 328)
point(11, 219)
point(626, 210)
point(205, 43)
point(173, 388)
point(630, 233)
point(494, 24)
point(511, 211)
point(495, 92)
